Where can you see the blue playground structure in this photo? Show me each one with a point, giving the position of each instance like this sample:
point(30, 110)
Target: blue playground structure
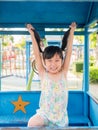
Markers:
point(16, 107)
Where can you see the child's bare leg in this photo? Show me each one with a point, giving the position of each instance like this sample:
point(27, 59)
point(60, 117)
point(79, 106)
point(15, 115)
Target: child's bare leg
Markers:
point(35, 121)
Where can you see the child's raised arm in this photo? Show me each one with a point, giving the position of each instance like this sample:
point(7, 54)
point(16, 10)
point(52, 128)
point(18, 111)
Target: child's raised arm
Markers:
point(69, 48)
point(36, 50)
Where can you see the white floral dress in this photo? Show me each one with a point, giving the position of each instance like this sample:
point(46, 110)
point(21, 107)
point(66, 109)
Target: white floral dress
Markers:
point(53, 101)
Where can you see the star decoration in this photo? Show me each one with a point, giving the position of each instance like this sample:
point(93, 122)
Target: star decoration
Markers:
point(20, 104)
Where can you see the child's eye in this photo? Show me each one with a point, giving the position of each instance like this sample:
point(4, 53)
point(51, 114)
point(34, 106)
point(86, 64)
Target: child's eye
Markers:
point(49, 60)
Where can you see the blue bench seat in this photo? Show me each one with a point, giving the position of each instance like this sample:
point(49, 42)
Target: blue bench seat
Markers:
point(10, 118)
point(79, 120)
point(13, 121)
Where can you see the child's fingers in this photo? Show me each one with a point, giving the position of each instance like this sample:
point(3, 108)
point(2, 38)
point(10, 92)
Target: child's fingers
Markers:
point(73, 24)
point(29, 26)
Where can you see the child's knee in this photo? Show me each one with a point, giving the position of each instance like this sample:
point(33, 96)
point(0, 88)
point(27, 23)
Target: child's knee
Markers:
point(35, 121)
point(29, 123)
point(32, 122)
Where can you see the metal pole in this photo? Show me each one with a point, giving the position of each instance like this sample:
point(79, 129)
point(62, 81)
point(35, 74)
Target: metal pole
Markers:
point(0, 60)
point(96, 50)
point(27, 61)
point(86, 71)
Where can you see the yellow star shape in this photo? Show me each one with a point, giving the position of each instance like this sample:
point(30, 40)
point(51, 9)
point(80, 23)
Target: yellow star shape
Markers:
point(20, 104)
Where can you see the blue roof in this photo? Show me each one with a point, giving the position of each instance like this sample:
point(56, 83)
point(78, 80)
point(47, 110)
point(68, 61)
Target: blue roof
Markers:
point(47, 14)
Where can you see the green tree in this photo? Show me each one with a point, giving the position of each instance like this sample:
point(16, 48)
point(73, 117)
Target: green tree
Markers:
point(93, 40)
point(21, 44)
point(6, 39)
point(11, 38)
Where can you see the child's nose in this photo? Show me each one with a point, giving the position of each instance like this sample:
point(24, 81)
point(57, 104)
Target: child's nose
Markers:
point(53, 63)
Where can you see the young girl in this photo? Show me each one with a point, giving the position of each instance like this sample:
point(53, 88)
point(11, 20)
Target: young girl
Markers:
point(52, 67)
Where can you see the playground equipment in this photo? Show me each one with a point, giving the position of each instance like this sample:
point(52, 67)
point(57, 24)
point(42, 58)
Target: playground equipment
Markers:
point(13, 63)
point(8, 62)
point(20, 67)
point(82, 106)
point(31, 75)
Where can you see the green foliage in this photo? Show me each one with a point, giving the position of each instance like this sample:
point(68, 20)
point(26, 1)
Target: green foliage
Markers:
point(6, 39)
point(5, 44)
point(91, 63)
point(21, 44)
point(45, 42)
point(93, 74)
point(91, 58)
point(80, 39)
point(79, 66)
point(11, 38)
point(93, 40)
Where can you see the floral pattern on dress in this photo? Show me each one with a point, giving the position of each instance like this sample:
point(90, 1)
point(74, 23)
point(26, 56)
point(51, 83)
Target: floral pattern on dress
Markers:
point(53, 101)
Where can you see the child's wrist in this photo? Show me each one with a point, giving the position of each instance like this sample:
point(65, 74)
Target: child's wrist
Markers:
point(72, 31)
point(31, 32)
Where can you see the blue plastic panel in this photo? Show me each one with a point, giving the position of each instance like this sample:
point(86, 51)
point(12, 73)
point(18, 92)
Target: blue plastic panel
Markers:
point(46, 13)
point(93, 112)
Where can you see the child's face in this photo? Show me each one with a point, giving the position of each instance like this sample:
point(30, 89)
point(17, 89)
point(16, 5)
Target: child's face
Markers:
point(54, 64)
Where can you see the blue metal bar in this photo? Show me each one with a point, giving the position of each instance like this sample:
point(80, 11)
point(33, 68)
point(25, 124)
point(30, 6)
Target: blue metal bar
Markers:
point(91, 22)
point(37, 26)
point(86, 71)
point(42, 33)
point(89, 12)
point(27, 60)
point(50, 0)
point(0, 61)
point(86, 61)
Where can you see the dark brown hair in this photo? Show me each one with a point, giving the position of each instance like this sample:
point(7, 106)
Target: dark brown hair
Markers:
point(50, 51)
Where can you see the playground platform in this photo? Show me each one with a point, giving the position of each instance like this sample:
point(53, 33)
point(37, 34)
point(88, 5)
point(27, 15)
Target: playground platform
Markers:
point(43, 128)
point(13, 83)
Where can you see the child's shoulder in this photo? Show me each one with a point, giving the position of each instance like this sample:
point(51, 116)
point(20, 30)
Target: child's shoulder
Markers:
point(43, 74)
point(64, 73)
